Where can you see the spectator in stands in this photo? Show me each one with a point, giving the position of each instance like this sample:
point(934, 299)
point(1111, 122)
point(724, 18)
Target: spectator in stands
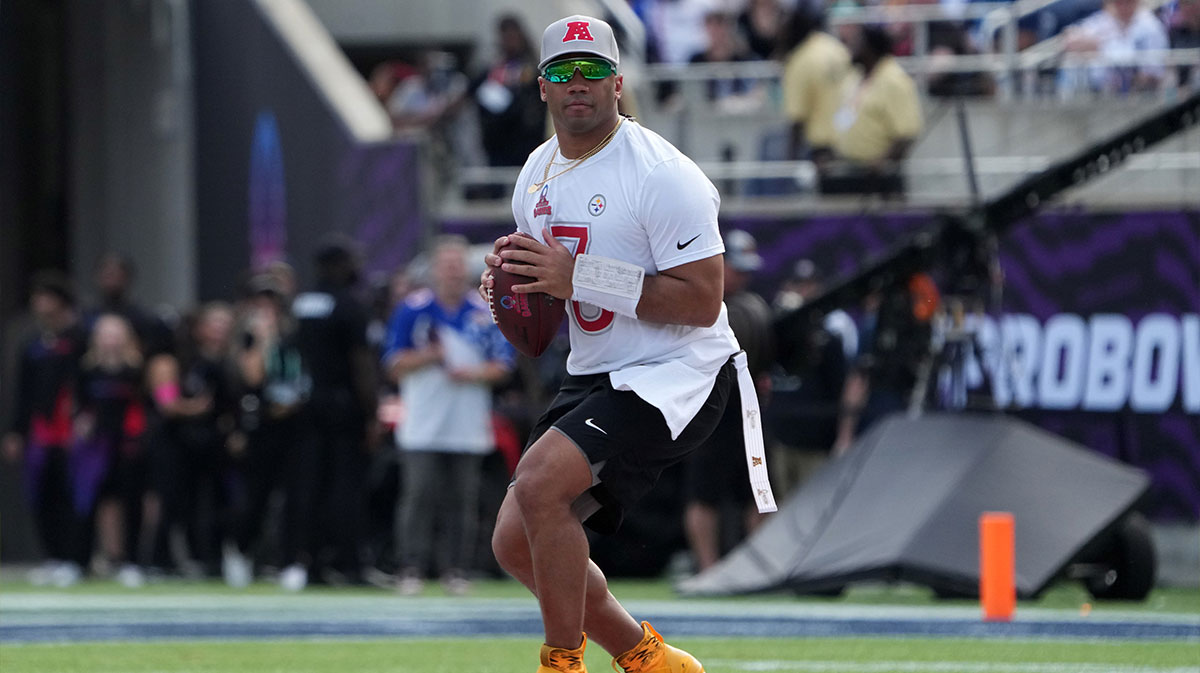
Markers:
point(725, 45)
point(1115, 35)
point(108, 452)
point(429, 95)
point(877, 123)
point(944, 40)
point(512, 117)
point(446, 355)
point(717, 479)
point(279, 455)
point(114, 280)
point(815, 69)
point(675, 28)
point(385, 77)
point(40, 432)
point(1185, 34)
point(759, 24)
point(331, 336)
point(436, 100)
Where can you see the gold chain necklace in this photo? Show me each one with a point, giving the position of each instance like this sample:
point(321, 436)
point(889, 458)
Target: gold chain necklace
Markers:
point(546, 177)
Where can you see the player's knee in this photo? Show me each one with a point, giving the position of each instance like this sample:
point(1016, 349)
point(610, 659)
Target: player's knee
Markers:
point(538, 493)
point(510, 548)
point(550, 477)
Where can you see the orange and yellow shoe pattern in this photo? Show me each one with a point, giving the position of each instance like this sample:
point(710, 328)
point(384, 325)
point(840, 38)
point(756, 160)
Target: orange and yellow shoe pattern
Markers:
point(562, 660)
point(653, 655)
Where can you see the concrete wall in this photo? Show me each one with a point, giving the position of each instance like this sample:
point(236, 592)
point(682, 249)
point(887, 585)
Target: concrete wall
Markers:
point(130, 167)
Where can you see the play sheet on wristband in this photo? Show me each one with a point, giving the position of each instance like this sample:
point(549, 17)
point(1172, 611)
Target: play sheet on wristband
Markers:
point(611, 276)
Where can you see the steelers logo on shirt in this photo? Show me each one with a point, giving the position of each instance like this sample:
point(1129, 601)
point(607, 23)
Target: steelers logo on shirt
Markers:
point(596, 205)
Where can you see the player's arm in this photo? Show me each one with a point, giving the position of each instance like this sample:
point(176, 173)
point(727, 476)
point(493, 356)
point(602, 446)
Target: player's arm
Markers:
point(687, 294)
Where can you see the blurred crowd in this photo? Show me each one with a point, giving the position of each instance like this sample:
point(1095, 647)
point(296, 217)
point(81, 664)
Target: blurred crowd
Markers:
point(850, 106)
point(1108, 34)
point(349, 432)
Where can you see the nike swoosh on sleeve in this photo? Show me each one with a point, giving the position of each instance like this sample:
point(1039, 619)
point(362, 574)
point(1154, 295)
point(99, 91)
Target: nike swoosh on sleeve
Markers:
point(681, 246)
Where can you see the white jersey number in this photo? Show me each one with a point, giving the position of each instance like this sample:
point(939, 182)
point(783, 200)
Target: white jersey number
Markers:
point(591, 320)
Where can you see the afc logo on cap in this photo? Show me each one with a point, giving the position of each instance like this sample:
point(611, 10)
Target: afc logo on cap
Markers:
point(578, 30)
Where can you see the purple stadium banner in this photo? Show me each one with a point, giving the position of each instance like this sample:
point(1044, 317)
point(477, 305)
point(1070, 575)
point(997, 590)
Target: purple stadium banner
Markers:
point(1098, 339)
point(277, 171)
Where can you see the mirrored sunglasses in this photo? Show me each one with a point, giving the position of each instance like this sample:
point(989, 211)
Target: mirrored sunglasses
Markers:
point(591, 68)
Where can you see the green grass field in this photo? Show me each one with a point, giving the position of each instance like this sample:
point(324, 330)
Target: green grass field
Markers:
point(509, 655)
point(519, 654)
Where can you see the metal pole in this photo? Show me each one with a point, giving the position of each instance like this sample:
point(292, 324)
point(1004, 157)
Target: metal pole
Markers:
point(1010, 55)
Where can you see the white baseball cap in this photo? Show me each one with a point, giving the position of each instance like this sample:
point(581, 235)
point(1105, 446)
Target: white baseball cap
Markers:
point(578, 34)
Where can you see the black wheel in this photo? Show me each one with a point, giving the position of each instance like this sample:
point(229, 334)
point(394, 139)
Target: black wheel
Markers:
point(1132, 564)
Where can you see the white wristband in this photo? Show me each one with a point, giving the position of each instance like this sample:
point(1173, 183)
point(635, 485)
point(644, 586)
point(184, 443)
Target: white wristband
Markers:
point(608, 283)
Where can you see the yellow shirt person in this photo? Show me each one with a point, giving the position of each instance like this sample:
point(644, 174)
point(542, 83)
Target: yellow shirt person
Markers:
point(878, 110)
point(813, 75)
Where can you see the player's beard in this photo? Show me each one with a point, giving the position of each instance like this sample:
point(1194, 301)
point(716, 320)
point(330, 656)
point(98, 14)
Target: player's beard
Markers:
point(598, 118)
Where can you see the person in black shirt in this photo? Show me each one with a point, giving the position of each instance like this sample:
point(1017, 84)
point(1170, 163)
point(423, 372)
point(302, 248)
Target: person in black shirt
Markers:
point(759, 23)
point(278, 455)
point(40, 434)
point(512, 116)
point(114, 278)
point(193, 396)
point(331, 334)
point(109, 459)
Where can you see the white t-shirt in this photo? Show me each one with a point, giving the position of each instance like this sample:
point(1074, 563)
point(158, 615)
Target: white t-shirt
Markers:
point(442, 414)
point(641, 201)
point(1119, 45)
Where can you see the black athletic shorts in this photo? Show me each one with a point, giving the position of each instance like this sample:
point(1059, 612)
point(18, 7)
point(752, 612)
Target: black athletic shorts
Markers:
point(625, 439)
point(716, 472)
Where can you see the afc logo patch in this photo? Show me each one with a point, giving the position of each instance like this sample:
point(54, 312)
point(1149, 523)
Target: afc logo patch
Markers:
point(578, 30)
point(542, 207)
point(596, 205)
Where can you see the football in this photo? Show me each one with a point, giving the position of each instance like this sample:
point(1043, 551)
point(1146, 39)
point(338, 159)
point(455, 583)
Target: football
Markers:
point(529, 320)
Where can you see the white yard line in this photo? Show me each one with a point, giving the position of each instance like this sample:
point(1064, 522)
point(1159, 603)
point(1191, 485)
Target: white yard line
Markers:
point(385, 604)
point(937, 667)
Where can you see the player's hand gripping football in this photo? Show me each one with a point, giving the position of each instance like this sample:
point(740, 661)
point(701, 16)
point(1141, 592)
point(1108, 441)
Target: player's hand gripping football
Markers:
point(551, 264)
point(491, 261)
